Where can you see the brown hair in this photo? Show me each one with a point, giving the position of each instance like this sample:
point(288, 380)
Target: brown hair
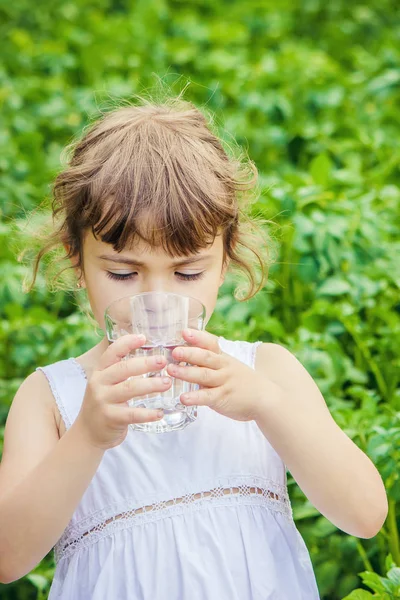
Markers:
point(159, 160)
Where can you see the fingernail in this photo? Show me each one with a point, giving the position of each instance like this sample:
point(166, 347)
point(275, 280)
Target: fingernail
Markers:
point(160, 414)
point(189, 332)
point(159, 360)
point(166, 379)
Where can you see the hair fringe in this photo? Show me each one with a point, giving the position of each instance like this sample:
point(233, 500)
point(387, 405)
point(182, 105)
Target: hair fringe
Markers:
point(163, 152)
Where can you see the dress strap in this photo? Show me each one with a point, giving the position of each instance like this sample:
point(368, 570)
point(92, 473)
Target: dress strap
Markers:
point(67, 384)
point(243, 351)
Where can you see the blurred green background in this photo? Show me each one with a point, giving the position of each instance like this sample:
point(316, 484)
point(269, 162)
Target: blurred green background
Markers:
point(311, 90)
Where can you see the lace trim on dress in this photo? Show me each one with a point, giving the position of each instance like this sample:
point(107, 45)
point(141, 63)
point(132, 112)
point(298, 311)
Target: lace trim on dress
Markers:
point(79, 366)
point(254, 491)
point(60, 405)
point(254, 347)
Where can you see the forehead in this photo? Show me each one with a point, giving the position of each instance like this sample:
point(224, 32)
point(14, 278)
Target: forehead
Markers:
point(94, 247)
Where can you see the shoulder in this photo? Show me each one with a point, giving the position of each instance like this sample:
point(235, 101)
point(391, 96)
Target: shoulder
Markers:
point(272, 352)
point(35, 382)
point(282, 366)
point(35, 394)
point(271, 356)
point(30, 431)
point(39, 389)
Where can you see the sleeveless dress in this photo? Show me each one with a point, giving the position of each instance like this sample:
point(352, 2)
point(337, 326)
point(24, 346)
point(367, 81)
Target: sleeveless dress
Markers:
point(197, 514)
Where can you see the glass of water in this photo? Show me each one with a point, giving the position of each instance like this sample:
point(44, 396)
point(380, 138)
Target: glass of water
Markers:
point(160, 317)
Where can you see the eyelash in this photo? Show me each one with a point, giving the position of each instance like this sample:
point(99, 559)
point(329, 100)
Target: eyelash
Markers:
point(183, 276)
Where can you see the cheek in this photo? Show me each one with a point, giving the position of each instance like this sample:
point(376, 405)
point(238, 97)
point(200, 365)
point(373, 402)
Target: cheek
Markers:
point(100, 294)
point(208, 294)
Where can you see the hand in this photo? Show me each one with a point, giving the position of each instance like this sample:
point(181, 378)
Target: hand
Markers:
point(105, 413)
point(227, 385)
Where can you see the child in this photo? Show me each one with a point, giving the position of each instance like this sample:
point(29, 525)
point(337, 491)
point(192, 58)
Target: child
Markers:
point(202, 513)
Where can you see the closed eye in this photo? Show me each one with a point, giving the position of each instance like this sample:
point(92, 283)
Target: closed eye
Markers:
point(183, 276)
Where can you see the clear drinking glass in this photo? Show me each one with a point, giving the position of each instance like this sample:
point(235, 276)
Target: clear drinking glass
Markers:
point(161, 317)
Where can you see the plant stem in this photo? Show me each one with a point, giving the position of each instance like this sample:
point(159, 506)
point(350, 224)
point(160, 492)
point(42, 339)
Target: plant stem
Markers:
point(286, 278)
point(394, 546)
point(363, 555)
point(364, 350)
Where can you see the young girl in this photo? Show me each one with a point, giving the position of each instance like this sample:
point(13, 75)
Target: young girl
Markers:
point(151, 201)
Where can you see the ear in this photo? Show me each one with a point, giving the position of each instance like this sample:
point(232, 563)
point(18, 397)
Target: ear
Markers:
point(78, 271)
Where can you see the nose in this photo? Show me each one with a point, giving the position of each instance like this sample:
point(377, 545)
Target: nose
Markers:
point(158, 312)
point(155, 282)
point(153, 288)
point(155, 285)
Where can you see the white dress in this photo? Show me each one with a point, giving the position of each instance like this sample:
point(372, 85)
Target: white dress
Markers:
point(197, 514)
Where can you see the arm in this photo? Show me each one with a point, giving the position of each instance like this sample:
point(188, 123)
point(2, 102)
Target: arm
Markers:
point(42, 478)
point(283, 399)
point(334, 474)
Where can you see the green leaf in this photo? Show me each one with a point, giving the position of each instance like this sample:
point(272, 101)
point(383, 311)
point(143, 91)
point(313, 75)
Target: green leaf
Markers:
point(376, 582)
point(382, 82)
point(305, 512)
point(394, 575)
point(38, 581)
point(334, 287)
point(320, 169)
point(389, 563)
point(359, 595)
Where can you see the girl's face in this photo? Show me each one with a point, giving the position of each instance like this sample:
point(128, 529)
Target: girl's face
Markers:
point(109, 275)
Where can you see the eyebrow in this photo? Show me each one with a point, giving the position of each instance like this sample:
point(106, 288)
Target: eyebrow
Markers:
point(131, 261)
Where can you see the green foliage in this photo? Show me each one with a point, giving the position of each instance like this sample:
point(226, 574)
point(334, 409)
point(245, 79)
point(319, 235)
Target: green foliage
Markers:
point(385, 588)
point(311, 89)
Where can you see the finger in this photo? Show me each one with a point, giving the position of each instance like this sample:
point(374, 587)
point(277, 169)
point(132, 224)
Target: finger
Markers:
point(117, 350)
point(137, 387)
point(199, 356)
point(138, 365)
point(125, 415)
point(200, 375)
point(202, 339)
point(203, 397)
